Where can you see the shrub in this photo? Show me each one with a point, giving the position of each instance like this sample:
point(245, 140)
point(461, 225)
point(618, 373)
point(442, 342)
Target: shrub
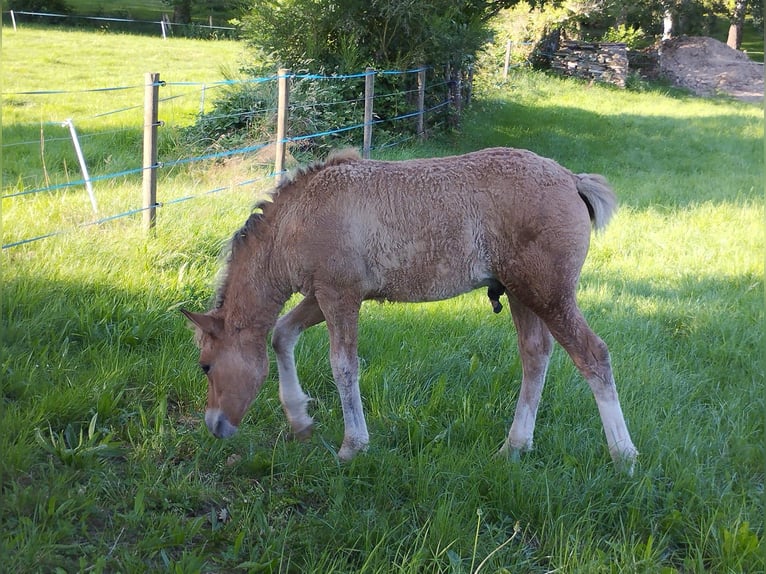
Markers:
point(246, 113)
point(633, 38)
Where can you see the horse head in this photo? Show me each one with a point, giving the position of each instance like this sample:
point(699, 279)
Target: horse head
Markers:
point(235, 363)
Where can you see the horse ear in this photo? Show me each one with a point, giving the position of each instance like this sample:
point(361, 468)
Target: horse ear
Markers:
point(209, 325)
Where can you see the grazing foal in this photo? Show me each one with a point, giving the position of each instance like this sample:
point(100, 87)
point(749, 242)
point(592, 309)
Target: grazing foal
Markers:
point(348, 230)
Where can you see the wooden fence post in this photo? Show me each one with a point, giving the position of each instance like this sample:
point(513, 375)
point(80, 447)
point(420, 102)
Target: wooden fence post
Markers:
point(283, 101)
point(151, 100)
point(468, 86)
point(421, 103)
point(455, 95)
point(369, 95)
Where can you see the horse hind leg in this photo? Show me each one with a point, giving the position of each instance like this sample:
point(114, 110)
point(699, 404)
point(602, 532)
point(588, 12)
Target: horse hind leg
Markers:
point(284, 338)
point(591, 356)
point(535, 345)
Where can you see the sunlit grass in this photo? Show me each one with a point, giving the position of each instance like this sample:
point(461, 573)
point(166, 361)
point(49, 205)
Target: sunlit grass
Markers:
point(69, 60)
point(98, 82)
point(96, 360)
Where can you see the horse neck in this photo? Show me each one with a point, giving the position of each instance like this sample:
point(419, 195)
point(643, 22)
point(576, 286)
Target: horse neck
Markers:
point(254, 295)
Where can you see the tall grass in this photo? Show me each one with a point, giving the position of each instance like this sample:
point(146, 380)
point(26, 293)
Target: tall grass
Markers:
point(106, 464)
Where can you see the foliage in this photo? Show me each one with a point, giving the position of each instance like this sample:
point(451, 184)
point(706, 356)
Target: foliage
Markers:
point(182, 10)
point(523, 25)
point(631, 37)
point(347, 35)
point(591, 19)
point(246, 114)
point(319, 104)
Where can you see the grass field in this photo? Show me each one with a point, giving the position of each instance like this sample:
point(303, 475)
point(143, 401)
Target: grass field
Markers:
point(141, 11)
point(38, 151)
point(106, 464)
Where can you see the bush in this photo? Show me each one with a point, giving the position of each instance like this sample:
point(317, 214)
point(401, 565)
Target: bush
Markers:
point(345, 37)
point(633, 38)
point(246, 113)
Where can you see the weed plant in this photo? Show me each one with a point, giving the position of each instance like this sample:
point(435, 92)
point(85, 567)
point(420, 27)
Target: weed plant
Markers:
point(106, 464)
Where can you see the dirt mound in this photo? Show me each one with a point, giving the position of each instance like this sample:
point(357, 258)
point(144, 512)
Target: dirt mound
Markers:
point(708, 67)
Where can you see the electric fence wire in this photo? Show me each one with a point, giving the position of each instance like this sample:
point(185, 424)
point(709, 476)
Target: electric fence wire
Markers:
point(213, 155)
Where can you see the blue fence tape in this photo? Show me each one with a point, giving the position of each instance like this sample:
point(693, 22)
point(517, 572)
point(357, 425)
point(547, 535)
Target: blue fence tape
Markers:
point(82, 91)
point(74, 183)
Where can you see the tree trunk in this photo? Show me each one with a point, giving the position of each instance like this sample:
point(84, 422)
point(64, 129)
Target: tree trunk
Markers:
point(667, 26)
point(667, 21)
point(735, 29)
point(182, 12)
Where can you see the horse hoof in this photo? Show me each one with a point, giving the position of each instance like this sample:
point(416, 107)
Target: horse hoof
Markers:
point(346, 454)
point(303, 434)
point(349, 449)
point(511, 454)
point(625, 462)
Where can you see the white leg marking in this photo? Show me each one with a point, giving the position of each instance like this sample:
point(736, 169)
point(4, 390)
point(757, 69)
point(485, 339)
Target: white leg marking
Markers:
point(522, 430)
point(294, 400)
point(286, 333)
point(355, 438)
point(535, 346)
point(618, 439)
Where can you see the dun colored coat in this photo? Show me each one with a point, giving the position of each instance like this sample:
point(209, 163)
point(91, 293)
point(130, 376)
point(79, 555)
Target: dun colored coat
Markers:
point(348, 230)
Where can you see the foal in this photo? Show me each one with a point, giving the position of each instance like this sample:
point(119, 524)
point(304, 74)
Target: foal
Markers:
point(349, 230)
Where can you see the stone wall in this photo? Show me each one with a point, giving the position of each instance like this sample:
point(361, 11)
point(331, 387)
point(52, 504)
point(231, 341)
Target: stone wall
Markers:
point(600, 61)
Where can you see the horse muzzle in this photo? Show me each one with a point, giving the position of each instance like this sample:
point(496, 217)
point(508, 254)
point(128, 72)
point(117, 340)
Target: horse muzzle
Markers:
point(218, 424)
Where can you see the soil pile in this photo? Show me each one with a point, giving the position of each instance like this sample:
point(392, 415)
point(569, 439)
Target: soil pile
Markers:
point(708, 67)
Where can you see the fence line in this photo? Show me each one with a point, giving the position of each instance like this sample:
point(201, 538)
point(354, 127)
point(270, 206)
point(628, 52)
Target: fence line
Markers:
point(165, 24)
point(152, 165)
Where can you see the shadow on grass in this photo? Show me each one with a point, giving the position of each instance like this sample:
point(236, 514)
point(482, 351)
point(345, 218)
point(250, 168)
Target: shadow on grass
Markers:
point(652, 159)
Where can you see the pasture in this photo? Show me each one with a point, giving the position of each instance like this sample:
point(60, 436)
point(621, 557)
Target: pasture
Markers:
point(106, 464)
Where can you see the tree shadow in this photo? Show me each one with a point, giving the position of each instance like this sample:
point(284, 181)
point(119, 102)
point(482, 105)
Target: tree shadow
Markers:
point(651, 159)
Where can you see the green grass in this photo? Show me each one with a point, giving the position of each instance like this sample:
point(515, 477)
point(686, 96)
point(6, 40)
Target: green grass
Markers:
point(106, 464)
point(151, 10)
point(76, 61)
point(109, 123)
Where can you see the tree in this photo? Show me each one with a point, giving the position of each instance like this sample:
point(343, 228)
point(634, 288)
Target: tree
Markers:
point(735, 28)
point(182, 10)
point(345, 35)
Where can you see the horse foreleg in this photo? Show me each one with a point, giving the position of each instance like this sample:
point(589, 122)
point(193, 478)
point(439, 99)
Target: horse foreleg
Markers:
point(535, 346)
point(284, 338)
point(342, 325)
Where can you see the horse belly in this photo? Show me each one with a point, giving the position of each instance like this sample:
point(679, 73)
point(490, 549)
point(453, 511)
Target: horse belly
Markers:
point(405, 289)
point(421, 271)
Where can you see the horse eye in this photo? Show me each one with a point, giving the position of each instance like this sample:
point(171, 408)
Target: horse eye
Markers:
point(205, 367)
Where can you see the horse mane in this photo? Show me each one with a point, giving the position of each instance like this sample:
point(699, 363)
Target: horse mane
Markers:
point(262, 207)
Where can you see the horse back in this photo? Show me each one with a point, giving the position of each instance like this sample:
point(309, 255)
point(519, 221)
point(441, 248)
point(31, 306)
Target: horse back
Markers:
point(429, 229)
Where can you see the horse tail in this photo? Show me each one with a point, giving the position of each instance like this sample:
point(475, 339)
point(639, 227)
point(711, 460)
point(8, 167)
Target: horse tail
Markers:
point(598, 196)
